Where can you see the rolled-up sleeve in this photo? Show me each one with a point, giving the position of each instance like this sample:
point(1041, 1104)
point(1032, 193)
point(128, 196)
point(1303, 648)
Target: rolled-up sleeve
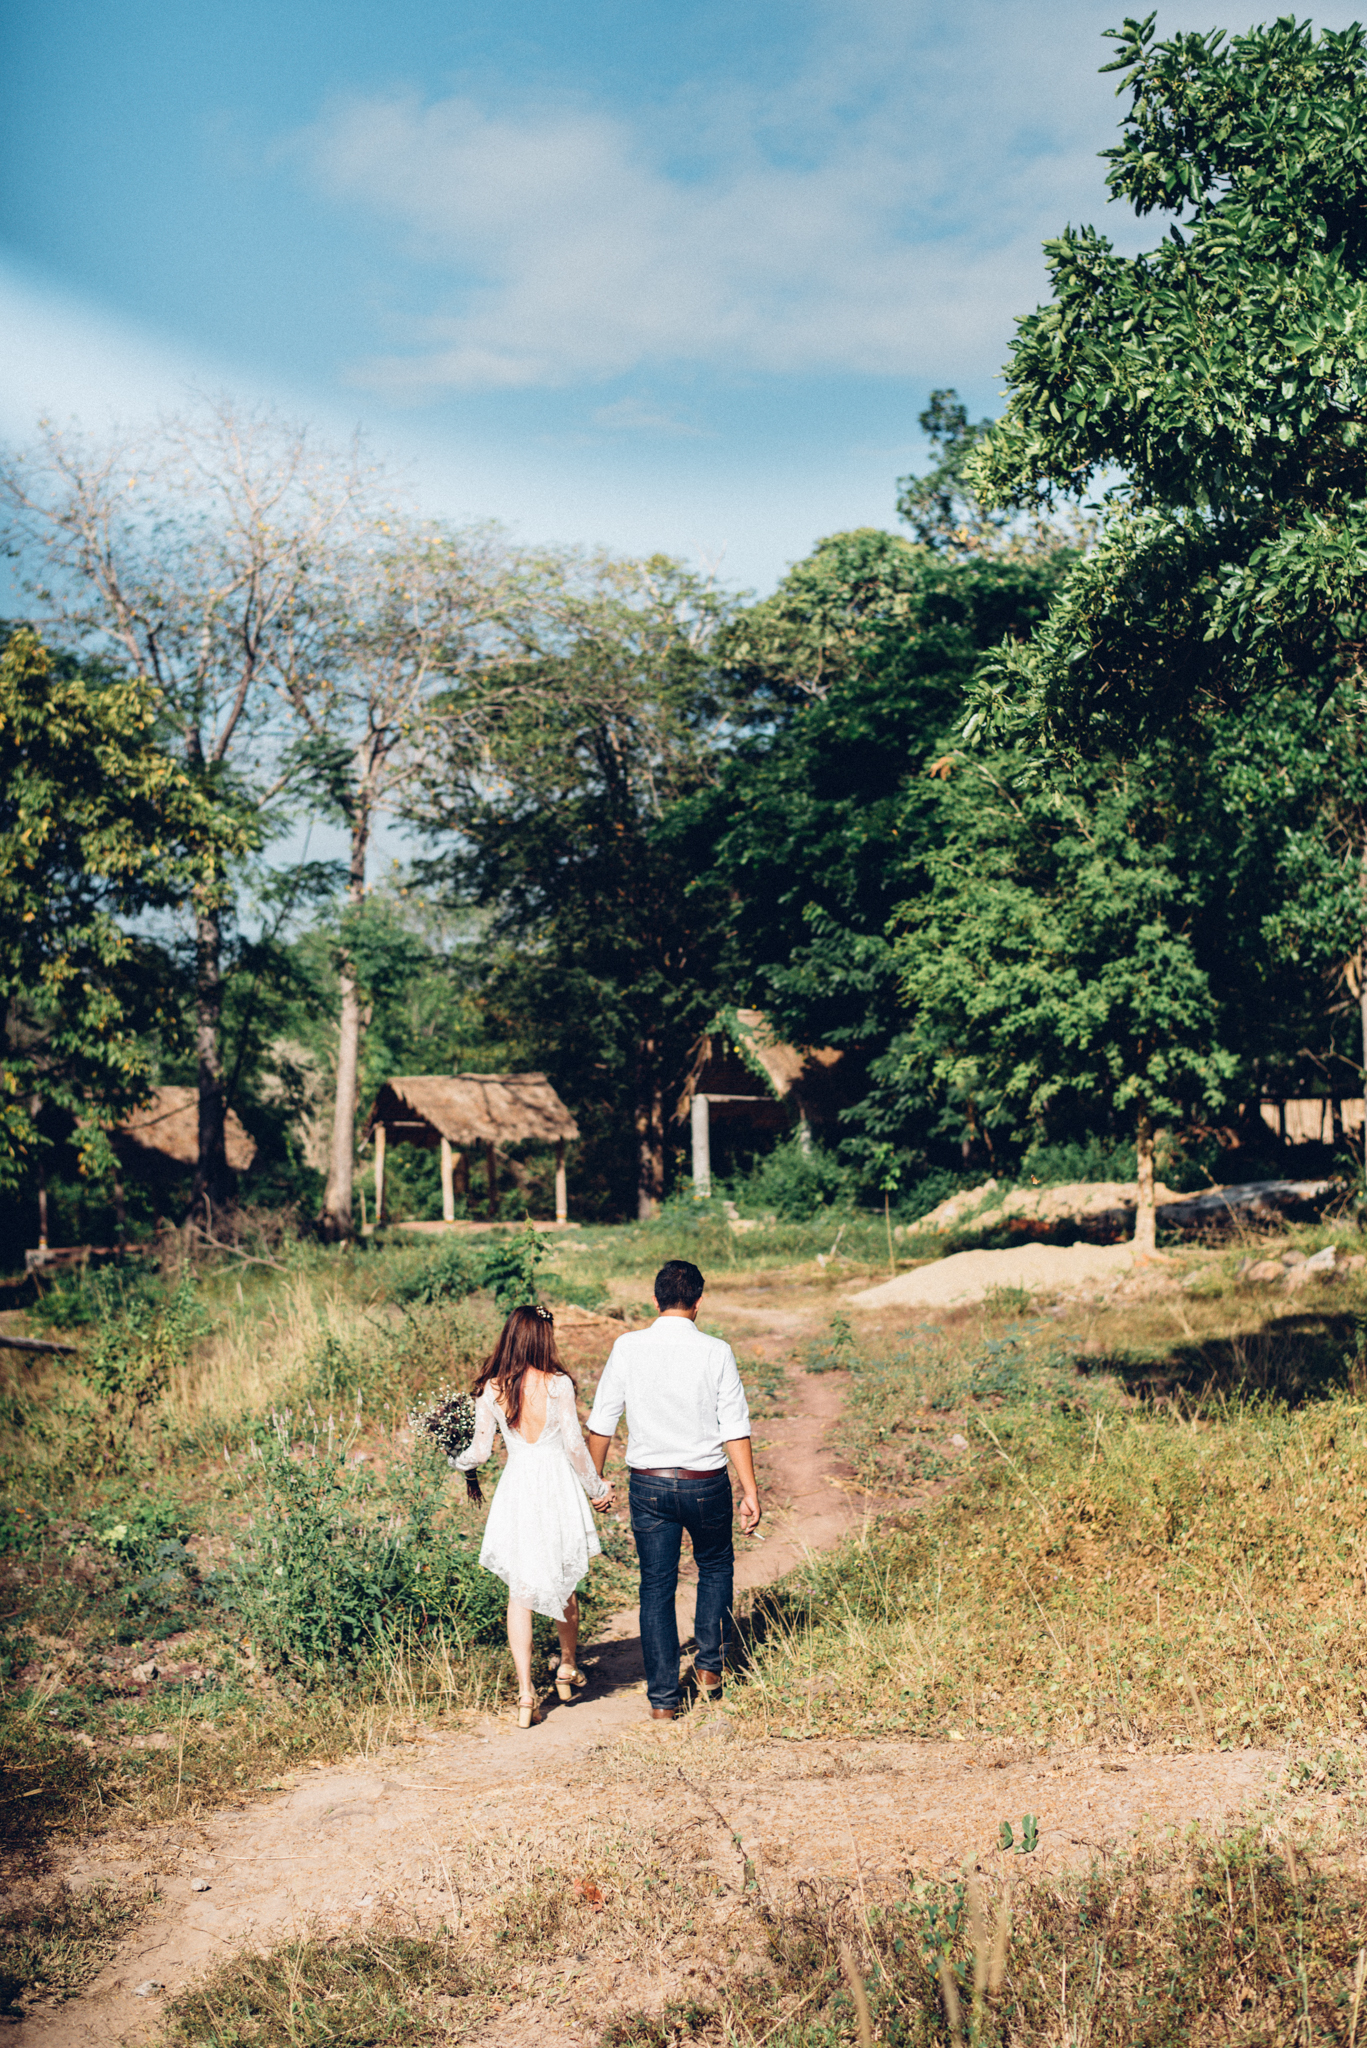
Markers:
point(733, 1410)
point(610, 1399)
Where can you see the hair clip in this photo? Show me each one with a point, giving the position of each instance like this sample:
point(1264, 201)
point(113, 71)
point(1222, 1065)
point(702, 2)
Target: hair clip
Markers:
point(544, 1313)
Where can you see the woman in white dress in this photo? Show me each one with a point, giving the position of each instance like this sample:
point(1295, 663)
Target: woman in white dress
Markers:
point(540, 1535)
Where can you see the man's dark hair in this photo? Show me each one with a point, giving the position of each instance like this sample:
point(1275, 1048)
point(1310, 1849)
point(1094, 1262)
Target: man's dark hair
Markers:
point(678, 1285)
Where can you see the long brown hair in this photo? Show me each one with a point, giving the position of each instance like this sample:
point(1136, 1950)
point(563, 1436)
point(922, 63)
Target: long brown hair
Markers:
point(526, 1345)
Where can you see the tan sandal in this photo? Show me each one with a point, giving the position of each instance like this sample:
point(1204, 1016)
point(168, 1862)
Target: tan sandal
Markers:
point(529, 1715)
point(569, 1680)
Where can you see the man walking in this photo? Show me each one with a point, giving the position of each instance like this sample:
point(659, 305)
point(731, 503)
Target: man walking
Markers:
point(686, 1411)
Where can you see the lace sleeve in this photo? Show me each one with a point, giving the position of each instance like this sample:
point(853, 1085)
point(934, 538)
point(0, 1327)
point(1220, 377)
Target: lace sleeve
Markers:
point(482, 1442)
point(576, 1450)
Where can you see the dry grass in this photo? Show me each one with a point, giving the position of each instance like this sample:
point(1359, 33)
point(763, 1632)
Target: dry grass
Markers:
point(1186, 1565)
point(53, 1941)
point(1233, 1942)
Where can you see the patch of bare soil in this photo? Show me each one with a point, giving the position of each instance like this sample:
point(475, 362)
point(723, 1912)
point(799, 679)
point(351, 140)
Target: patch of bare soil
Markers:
point(434, 1830)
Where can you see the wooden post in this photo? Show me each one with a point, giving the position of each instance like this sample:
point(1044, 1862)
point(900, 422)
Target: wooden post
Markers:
point(379, 1174)
point(448, 1191)
point(702, 1148)
point(42, 1210)
point(562, 1206)
point(491, 1172)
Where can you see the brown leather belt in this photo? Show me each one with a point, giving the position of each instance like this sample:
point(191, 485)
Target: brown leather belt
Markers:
point(678, 1471)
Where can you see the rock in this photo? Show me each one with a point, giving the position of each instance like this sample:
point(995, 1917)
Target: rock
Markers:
point(1355, 1263)
point(960, 1443)
point(149, 1989)
point(199, 1884)
point(1293, 1258)
point(1265, 1269)
point(1317, 1268)
point(143, 1674)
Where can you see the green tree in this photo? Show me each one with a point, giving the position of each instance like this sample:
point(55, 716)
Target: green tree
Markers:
point(847, 684)
point(1222, 376)
point(1063, 967)
point(189, 553)
point(97, 824)
point(561, 771)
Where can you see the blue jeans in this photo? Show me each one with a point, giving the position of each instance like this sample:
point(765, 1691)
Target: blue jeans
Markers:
point(661, 1509)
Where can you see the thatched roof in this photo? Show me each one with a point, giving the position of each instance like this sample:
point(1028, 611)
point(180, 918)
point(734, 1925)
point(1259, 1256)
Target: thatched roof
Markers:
point(784, 1064)
point(724, 1075)
point(167, 1128)
point(471, 1109)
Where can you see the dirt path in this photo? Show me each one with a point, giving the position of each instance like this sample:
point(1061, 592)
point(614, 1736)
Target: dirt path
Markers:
point(416, 1831)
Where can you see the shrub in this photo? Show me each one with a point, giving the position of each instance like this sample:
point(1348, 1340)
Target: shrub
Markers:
point(453, 1271)
point(795, 1182)
point(510, 1270)
point(337, 1562)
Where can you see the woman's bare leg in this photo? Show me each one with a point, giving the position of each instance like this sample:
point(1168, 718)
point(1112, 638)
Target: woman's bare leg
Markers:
point(520, 1643)
point(568, 1631)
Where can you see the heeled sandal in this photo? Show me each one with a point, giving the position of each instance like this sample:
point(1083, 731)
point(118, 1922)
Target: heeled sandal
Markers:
point(569, 1680)
point(529, 1713)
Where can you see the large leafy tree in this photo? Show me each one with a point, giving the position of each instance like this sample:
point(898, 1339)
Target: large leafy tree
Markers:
point(188, 553)
point(849, 683)
point(560, 773)
point(1222, 378)
point(98, 823)
point(1080, 959)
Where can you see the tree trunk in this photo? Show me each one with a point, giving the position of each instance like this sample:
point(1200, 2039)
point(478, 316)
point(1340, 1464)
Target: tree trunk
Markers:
point(1146, 1214)
point(335, 1222)
point(650, 1144)
point(213, 1176)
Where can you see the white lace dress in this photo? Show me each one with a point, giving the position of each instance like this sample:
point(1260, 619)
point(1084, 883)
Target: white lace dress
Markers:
point(540, 1535)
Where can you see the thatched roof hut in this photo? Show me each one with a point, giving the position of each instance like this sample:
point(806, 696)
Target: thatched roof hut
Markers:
point(459, 1111)
point(724, 1085)
point(164, 1133)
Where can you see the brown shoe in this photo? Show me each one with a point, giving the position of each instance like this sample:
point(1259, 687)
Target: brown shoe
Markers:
point(709, 1683)
point(664, 1713)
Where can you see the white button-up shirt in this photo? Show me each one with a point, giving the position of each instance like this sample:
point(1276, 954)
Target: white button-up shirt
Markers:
point(682, 1394)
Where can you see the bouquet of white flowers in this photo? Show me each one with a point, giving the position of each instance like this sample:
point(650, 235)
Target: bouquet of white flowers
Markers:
point(450, 1422)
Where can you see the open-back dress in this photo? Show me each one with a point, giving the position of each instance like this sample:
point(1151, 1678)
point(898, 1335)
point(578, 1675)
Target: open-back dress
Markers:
point(540, 1535)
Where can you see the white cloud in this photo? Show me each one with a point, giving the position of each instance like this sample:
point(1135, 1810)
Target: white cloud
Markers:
point(634, 416)
point(846, 220)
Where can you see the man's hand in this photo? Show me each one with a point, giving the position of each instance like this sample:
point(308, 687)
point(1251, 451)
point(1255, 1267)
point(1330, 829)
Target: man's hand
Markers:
point(742, 1457)
point(606, 1500)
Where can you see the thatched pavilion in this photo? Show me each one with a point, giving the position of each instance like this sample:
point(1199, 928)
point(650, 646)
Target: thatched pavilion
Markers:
point(458, 1112)
point(725, 1085)
point(164, 1134)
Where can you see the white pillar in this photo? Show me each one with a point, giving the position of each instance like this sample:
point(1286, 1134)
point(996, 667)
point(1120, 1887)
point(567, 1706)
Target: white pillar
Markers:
point(562, 1204)
point(804, 1132)
point(379, 1174)
point(448, 1191)
point(702, 1148)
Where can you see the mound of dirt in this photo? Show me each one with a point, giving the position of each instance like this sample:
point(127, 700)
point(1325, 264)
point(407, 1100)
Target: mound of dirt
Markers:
point(1106, 1205)
point(970, 1276)
point(1104, 1209)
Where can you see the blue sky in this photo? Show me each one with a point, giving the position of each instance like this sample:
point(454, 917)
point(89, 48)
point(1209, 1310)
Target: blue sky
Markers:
point(652, 277)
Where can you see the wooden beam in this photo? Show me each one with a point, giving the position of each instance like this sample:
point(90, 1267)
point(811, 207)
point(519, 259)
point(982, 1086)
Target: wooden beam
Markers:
point(448, 1191)
point(379, 1174)
point(562, 1206)
point(702, 1148)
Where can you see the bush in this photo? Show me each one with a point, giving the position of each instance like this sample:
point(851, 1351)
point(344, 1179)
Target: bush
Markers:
point(452, 1272)
point(336, 1563)
point(510, 1270)
point(795, 1183)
